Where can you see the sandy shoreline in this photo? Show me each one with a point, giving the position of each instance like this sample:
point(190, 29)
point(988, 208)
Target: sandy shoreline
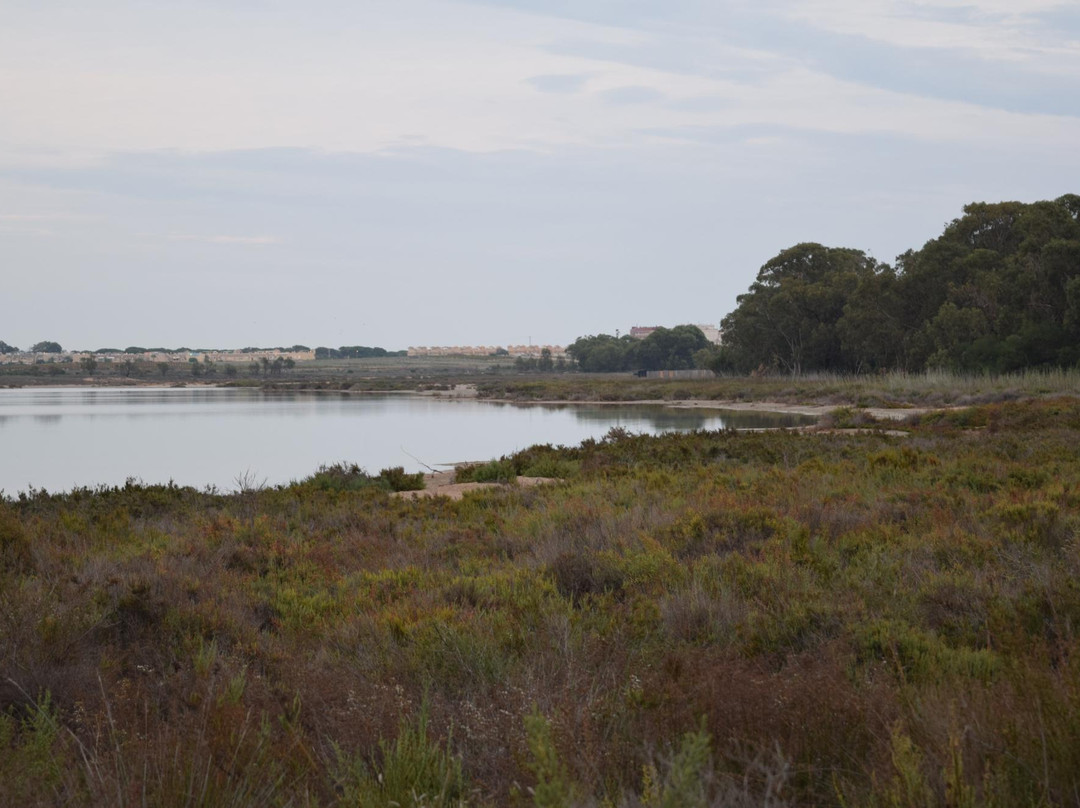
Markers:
point(812, 410)
point(469, 391)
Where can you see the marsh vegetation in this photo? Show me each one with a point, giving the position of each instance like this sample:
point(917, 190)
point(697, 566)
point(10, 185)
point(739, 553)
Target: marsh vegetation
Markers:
point(712, 618)
point(893, 390)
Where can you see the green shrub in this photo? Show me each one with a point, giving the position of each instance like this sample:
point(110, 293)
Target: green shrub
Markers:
point(553, 467)
point(413, 772)
point(497, 471)
point(554, 788)
point(14, 544)
point(920, 656)
point(350, 477)
point(577, 574)
point(30, 765)
point(686, 784)
point(397, 480)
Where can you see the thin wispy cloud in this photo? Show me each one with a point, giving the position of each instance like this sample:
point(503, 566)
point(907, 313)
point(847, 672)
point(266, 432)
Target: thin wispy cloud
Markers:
point(995, 31)
point(632, 95)
point(466, 76)
point(46, 217)
point(250, 241)
point(43, 224)
point(564, 83)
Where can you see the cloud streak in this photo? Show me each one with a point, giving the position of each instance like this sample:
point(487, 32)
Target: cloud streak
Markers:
point(558, 83)
point(471, 78)
point(249, 241)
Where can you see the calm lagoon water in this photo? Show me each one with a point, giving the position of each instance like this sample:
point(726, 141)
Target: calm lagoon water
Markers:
point(60, 438)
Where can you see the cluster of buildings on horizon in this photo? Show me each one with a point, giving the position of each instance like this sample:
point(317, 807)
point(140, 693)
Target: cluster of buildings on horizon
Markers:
point(236, 356)
point(514, 351)
point(711, 332)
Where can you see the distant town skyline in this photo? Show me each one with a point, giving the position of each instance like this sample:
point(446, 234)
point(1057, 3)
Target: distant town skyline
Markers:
point(712, 333)
point(456, 172)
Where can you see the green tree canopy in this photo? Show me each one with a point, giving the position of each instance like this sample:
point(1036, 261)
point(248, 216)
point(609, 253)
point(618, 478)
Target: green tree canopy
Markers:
point(791, 317)
point(664, 349)
point(353, 352)
point(993, 291)
point(998, 290)
point(668, 348)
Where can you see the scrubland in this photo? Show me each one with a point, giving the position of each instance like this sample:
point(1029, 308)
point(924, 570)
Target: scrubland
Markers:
point(713, 618)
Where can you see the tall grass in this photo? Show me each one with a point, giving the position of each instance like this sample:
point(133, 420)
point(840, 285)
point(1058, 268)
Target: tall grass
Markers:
point(895, 389)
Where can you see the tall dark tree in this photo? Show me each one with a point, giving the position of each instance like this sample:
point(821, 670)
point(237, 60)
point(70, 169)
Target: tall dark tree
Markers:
point(998, 290)
point(992, 292)
point(667, 348)
point(871, 329)
point(790, 318)
point(602, 353)
point(664, 349)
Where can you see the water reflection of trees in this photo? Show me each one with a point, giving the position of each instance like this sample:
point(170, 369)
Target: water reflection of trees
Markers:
point(670, 418)
point(656, 418)
point(40, 420)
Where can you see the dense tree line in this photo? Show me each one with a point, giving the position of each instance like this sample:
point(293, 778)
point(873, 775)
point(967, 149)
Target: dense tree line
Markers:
point(664, 349)
point(545, 363)
point(999, 290)
point(292, 348)
point(354, 352)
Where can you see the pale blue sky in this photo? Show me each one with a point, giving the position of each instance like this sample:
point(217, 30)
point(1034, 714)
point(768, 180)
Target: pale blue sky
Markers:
point(422, 172)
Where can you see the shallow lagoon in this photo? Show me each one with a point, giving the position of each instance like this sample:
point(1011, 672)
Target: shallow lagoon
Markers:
point(60, 438)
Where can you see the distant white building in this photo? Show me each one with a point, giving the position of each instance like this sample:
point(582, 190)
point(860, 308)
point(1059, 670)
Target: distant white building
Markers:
point(711, 332)
point(486, 350)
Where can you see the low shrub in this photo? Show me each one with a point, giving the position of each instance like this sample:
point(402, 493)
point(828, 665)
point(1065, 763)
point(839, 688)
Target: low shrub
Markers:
point(351, 477)
point(30, 765)
point(397, 480)
point(552, 467)
point(577, 574)
point(415, 771)
point(554, 787)
point(14, 545)
point(497, 471)
point(921, 656)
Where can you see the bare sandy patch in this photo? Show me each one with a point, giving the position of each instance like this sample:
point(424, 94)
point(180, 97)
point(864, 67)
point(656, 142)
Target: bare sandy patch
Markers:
point(443, 485)
point(457, 391)
point(814, 410)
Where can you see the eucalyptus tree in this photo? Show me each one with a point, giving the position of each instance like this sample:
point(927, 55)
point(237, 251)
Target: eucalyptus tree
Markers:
point(791, 316)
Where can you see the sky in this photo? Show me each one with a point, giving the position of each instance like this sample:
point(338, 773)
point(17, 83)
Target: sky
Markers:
point(492, 172)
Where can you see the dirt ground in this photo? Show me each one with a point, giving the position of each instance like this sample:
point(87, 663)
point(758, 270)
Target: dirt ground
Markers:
point(816, 410)
point(442, 485)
